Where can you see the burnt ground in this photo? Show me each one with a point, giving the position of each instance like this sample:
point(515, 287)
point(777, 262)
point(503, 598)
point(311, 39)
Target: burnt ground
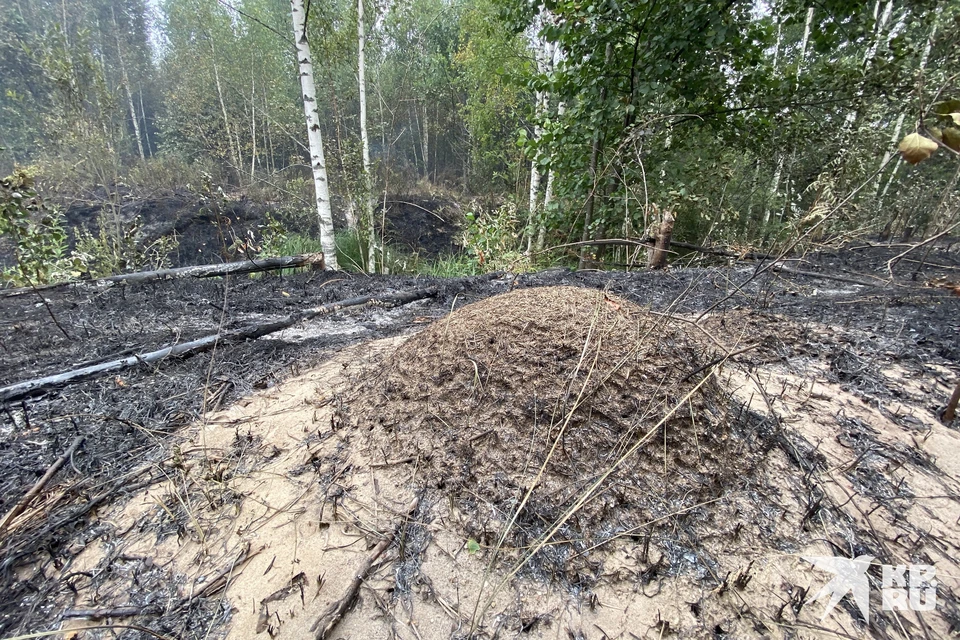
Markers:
point(209, 229)
point(126, 417)
point(423, 225)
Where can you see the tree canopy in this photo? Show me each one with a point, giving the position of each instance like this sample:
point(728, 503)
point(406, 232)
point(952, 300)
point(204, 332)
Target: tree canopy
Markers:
point(748, 120)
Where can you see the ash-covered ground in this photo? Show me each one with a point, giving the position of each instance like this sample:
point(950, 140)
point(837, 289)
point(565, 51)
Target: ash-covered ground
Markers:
point(910, 324)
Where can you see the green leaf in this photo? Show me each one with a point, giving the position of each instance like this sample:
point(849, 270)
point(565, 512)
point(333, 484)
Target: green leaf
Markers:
point(946, 107)
point(472, 546)
point(951, 138)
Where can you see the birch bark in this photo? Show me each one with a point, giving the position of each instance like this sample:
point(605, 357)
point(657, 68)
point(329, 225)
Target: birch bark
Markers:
point(367, 195)
point(317, 161)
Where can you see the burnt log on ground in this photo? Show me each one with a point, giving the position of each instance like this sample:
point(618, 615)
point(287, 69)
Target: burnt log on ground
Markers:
point(650, 242)
point(313, 260)
point(249, 332)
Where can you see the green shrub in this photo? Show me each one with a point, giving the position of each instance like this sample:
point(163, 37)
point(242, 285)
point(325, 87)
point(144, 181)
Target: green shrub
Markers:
point(493, 240)
point(119, 247)
point(36, 233)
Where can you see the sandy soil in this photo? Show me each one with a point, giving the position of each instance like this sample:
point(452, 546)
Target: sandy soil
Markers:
point(277, 495)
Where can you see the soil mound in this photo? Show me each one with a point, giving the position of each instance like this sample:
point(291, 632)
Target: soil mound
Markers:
point(607, 414)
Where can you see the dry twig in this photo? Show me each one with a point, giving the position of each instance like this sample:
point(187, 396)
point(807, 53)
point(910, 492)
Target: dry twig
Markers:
point(334, 613)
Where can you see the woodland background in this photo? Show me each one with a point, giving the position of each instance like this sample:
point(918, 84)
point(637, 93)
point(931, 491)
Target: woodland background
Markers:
point(549, 122)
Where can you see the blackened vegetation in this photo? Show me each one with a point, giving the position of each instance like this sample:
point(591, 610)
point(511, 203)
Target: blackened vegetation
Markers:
point(429, 227)
point(128, 419)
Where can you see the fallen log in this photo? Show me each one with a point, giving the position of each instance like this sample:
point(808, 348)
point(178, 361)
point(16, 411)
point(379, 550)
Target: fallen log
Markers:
point(746, 255)
point(314, 260)
point(826, 276)
point(650, 242)
point(249, 332)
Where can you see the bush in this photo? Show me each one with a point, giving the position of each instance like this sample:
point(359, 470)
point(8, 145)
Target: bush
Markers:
point(119, 247)
point(492, 239)
point(36, 232)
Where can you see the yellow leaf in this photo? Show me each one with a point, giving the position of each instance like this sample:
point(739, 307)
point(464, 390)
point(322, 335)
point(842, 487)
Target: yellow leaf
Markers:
point(916, 148)
point(951, 138)
point(936, 133)
point(955, 117)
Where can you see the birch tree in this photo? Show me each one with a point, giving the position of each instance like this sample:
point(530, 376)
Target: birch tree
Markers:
point(317, 161)
point(367, 189)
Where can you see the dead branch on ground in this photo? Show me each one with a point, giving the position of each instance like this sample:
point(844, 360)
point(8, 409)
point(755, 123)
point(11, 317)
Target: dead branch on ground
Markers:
point(250, 332)
point(892, 262)
point(334, 613)
point(826, 276)
point(40, 484)
point(313, 260)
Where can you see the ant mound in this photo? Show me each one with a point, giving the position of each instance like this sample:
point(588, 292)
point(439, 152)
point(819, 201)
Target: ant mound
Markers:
point(559, 419)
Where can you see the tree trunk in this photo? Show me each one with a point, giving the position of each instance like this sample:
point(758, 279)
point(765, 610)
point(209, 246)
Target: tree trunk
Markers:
point(544, 62)
point(146, 125)
point(658, 259)
point(134, 118)
point(774, 190)
point(367, 194)
point(317, 161)
point(898, 127)
point(803, 44)
point(223, 108)
point(594, 155)
point(426, 142)
point(253, 125)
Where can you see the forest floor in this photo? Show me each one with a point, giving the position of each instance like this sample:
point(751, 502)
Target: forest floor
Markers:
point(558, 454)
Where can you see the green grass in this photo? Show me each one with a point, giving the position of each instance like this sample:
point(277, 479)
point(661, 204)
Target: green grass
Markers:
point(451, 266)
point(350, 251)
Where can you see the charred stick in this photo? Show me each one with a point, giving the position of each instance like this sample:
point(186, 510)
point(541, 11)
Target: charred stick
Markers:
point(41, 483)
point(117, 612)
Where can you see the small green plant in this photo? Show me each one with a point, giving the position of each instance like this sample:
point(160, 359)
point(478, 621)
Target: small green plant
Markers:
point(350, 250)
point(451, 266)
point(36, 232)
point(119, 247)
point(492, 239)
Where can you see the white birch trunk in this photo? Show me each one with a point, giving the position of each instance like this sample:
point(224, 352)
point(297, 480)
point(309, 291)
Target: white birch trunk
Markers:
point(775, 183)
point(548, 194)
point(134, 118)
point(774, 189)
point(803, 44)
point(367, 196)
point(426, 141)
point(143, 114)
point(317, 161)
point(898, 127)
point(868, 59)
point(545, 56)
point(234, 151)
point(253, 125)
